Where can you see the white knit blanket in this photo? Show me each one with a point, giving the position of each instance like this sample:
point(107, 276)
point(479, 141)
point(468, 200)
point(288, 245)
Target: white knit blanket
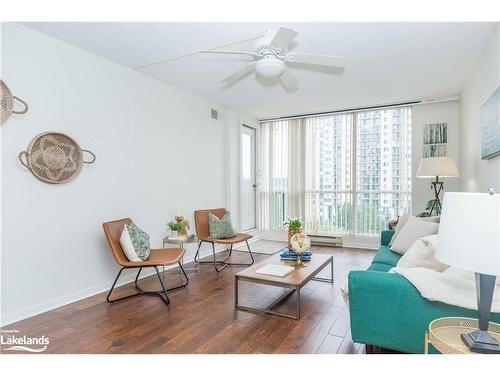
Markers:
point(453, 286)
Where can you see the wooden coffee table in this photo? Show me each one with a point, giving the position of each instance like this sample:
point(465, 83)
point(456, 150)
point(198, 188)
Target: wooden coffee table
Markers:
point(294, 281)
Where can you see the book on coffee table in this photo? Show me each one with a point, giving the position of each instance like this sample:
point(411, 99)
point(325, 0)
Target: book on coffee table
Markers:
point(275, 270)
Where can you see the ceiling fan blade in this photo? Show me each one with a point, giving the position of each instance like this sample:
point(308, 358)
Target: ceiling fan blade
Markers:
point(288, 80)
point(240, 73)
point(283, 38)
point(312, 59)
point(230, 52)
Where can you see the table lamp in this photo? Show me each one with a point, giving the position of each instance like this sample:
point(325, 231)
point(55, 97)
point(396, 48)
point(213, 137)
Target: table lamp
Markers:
point(436, 167)
point(469, 238)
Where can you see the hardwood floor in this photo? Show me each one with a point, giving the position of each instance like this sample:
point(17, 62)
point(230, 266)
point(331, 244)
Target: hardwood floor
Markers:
point(201, 317)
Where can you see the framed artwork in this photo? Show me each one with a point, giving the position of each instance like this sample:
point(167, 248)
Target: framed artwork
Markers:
point(435, 140)
point(490, 126)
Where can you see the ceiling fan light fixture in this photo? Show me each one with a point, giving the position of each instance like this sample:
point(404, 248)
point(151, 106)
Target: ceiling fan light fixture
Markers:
point(271, 54)
point(270, 67)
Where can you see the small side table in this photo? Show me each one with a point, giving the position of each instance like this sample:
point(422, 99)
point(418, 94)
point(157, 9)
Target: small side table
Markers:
point(444, 334)
point(179, 242)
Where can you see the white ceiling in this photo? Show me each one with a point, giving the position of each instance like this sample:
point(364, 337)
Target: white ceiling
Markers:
point(385, 62)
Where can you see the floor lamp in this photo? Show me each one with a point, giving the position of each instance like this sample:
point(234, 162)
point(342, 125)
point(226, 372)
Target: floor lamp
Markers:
point(436, 167)
point(469, 238)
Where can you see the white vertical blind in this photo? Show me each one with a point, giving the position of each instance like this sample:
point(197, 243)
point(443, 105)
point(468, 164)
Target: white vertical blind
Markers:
point(265, 177)
point(274, 184)
point(295, 192)
point(328, 174)
point(308, 170)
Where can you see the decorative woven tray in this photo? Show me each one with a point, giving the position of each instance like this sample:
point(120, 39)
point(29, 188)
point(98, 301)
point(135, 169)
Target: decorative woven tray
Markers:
point(54, 158)
point(444, 333)
point(7, 103)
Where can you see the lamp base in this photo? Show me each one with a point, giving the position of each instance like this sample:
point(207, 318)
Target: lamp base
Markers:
point(299, 262)
point(481, 342)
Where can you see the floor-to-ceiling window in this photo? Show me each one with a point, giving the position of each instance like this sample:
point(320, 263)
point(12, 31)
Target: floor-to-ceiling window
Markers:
point(343, 173)
point(383, 167)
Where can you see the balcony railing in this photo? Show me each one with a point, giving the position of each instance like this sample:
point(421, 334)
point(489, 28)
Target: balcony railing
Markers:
point(365, 212)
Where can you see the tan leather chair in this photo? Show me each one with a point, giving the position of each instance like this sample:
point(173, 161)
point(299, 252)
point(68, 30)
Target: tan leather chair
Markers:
point(203, 233)
point(157, 257)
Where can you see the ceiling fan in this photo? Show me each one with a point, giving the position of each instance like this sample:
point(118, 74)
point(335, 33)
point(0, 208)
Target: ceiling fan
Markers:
point(271, 57)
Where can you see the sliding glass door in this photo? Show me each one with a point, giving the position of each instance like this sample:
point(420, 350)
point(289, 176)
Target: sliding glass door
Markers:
point(247, 181)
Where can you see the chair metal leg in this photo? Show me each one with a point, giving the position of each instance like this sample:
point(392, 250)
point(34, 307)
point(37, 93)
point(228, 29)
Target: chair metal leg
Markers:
point(223, 263)
point(159, 293)
point(163, 292)
point(241, 264)
point(113, 287)
point(250, 252)
point(137, 276)
point(186, 279)
point(215, 261)
point(197, 252)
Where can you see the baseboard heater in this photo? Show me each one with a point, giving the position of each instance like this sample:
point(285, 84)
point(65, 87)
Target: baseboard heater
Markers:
point(325, 240)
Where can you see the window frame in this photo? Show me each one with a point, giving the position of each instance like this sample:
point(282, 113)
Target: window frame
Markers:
point(354, 191)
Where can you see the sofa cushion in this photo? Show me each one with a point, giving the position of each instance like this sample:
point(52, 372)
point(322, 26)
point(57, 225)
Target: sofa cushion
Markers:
point(380, 267)
point(404, 219)
point(422, 254)
point(386, 256)
point(414, 229)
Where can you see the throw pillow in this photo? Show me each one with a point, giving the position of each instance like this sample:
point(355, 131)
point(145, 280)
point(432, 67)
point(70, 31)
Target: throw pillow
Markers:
point(403, 219)
point(412, 231)
point(401, 223)
point(221, 228)
point(421, 254)
point(135, 243)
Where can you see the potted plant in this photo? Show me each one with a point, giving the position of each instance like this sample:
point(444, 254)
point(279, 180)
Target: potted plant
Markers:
point(294, 226)
point(176, 226)
point(432, 207)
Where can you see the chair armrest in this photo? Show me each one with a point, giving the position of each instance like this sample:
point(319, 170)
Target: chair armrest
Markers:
point(385, 237)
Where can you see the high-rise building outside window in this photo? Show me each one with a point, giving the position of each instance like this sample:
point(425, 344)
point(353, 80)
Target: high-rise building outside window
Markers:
point(343, 173)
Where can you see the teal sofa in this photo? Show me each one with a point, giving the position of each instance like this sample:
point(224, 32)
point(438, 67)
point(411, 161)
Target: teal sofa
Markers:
point(387, 311)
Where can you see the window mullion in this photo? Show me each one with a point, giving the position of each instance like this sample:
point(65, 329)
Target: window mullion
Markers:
point(354, 173)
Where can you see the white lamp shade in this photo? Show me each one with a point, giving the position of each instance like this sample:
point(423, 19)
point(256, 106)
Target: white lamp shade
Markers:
point(469, 232)
point(442, 166)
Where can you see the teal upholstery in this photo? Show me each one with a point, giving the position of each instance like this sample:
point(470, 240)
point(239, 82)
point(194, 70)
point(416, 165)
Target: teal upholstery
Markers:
point(386, 256)
point(386, 236)
point(387, 310)
point(380, 267)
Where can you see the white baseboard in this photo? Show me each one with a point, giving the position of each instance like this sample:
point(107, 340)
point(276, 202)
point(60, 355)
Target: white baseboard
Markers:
point(357, 242)
point(28, 312)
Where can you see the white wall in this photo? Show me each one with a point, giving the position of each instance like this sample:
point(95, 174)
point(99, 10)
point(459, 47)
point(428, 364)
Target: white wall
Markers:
point(477, 174)
point(422, 114)
point(178, 156)
point(156, 147)
point(52, 244)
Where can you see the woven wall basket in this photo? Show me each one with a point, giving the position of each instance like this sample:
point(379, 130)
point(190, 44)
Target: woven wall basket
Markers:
point(54, 158)
point(7, 103)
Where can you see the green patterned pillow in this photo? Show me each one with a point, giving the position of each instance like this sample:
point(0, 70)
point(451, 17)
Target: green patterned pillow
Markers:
point(140, 241)
point(221, 228)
